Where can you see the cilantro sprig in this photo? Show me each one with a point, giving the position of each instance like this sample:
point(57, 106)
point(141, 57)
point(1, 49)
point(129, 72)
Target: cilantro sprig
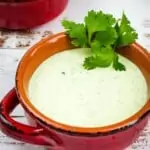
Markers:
point(104, 34)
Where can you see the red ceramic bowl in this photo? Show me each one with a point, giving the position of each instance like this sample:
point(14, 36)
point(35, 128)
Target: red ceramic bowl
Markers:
point(23, 15)
point(58, 136)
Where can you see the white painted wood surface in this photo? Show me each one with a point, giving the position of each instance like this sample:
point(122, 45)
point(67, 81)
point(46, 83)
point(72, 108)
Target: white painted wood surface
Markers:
point(138, 12)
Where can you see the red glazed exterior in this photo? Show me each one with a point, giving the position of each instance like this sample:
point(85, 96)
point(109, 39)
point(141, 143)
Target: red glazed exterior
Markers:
point(58, 136)
point(29, 14)
point(55, 139)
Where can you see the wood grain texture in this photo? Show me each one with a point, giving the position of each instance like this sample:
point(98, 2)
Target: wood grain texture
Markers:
point(138, 12)
point(8, 68)
point(22, 38)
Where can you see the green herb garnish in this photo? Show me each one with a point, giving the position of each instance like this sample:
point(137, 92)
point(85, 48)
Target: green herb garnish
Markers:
point(104, 34)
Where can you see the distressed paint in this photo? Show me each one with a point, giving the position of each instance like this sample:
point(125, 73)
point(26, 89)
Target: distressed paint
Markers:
point(10, 54)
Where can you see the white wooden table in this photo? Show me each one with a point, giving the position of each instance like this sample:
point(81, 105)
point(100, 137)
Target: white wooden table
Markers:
point(17, 44)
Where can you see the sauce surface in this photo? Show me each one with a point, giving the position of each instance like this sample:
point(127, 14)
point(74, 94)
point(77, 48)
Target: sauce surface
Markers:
point(64, 91)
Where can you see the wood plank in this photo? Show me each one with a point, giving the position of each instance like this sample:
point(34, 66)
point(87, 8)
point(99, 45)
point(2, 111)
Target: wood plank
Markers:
point(138, 12)
point(76, 10)
point(21, 39)
point(8, 68)
point(8, 63)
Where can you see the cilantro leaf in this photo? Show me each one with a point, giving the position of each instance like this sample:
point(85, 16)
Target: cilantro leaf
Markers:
point(127, 34)
point(77, 33)
point(102, 59)
point(107, 37)
point(118, 65)
point(110, 19)
point(97, 21)
point(104, 35)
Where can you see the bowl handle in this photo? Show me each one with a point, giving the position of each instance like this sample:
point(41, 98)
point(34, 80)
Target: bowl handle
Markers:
point(22, 132)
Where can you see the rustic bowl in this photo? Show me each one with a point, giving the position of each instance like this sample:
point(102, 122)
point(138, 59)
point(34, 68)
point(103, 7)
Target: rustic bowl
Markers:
point(58, 136)
point(29, 14)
